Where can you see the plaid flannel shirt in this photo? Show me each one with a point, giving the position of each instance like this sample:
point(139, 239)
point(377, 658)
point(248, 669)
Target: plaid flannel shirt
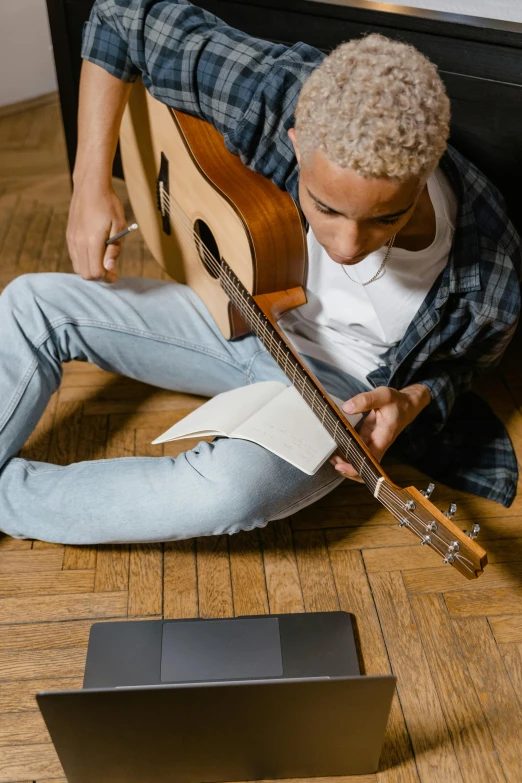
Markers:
point(248, 88)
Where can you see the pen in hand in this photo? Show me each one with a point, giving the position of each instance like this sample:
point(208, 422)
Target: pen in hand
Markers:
point(110, 263)
point(127, 230)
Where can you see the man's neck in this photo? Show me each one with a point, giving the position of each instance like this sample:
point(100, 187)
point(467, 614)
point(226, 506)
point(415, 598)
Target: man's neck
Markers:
point(419, 232)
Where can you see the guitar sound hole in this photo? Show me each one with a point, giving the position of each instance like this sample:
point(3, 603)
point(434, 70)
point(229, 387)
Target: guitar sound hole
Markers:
point(207, 248)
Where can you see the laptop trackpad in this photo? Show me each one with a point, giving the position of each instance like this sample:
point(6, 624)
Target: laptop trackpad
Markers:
point(221, 650)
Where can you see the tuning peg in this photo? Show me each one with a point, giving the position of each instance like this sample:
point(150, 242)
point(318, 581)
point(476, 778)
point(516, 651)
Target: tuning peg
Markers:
point(451, 553)
point(452, 510)
point(475, 530)
point(428, 492)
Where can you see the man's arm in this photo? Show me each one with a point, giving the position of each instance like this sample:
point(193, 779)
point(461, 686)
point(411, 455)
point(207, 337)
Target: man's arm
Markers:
point(96, 212)
point(247, 88)
point(391, 411)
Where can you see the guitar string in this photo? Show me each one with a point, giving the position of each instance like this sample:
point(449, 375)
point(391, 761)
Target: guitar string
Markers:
point(347, 441)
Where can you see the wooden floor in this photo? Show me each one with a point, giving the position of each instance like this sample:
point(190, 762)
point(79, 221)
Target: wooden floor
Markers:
point(455, 646)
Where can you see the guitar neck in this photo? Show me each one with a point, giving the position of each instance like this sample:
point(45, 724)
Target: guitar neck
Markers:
point(349, 444)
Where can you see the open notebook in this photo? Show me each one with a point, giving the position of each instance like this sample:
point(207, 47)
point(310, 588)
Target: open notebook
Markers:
point(268, 413)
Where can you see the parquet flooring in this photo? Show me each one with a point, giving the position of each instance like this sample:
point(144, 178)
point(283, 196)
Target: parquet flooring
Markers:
point(455, 646)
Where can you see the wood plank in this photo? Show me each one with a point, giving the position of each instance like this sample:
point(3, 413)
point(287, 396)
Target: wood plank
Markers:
point(39, 664)
point(247, 575)
point(436, 580)
point(22, 728)
point(36, 761)
point(397, 763)
point(507, 628)
point(20, 695)
point(92, 438)
point(156, 401)
point(214, 584)
point(462, 710)
point(55, 245)
point(8, 206)
point(146, 580)
point(512, 657)
point(8, 544)
point(31, 560)
point(90, 379)
point(180, 587)
point(120, 438)
point(15, 234)
point(427, 727)
point(494, 689)
point(62, 607)
point(28, 105)
point(47, 545)
point(367, 537)
point(51, 635)
point(80, 557)
point(46, 583)
point(34, 239)
point(44, 636)
point(473, 603)
point(112, 568)
point(282, 576)
point(408, 558)
point(351, 504)
point(64, 441)
point(313, 563)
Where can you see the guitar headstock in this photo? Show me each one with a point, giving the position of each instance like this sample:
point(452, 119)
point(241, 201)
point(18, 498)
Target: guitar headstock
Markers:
point(436, 529)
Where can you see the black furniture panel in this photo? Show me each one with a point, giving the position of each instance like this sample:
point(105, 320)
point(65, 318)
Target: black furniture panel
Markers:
point(480, 62)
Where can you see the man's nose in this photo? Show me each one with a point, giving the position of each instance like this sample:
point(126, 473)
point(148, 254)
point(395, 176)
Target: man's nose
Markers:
point(351, 241)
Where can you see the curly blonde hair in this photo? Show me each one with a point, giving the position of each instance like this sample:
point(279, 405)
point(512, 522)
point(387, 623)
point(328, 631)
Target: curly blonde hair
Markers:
point(377, 106)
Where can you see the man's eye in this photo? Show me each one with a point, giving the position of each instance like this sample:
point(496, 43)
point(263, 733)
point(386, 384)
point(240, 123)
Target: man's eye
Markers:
point(388, 222)
point(323, 211)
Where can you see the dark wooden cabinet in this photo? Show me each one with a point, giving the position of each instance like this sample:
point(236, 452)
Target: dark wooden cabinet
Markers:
point(480, 62)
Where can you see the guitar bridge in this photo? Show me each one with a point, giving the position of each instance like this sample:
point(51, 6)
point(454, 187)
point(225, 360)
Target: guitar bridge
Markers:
point(163, 193)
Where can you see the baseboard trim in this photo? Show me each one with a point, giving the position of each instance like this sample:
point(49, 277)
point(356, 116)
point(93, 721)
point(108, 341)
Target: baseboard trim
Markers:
point(31, 103)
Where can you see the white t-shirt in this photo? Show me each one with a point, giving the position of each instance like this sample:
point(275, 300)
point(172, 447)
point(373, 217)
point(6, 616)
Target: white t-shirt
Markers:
point(352, 326)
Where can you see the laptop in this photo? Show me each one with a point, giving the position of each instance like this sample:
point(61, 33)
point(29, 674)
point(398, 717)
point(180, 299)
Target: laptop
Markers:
point(203, 701)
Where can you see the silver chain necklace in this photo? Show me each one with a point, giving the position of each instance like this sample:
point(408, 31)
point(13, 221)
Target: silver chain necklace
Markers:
point(378, 272)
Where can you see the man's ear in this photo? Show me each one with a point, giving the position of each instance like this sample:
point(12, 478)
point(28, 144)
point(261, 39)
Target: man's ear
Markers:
point(293, 139)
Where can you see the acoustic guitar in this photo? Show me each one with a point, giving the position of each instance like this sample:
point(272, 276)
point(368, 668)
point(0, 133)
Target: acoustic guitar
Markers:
point(240, 243)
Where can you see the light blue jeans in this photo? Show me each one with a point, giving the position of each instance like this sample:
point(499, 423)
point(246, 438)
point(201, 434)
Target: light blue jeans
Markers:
point(160, 333)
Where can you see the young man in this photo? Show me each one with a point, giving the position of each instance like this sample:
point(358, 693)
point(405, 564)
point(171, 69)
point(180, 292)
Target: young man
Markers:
point(412, 285)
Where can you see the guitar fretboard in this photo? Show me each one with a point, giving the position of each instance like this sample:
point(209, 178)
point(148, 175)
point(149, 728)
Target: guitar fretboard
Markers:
point(305, 384)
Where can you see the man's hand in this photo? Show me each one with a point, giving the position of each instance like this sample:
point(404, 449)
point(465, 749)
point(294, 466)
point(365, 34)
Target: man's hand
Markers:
point(95, 215)
point(96, 212)
point(390, 412)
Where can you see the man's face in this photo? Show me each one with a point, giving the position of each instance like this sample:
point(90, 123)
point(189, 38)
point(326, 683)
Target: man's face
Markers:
point(349, 215)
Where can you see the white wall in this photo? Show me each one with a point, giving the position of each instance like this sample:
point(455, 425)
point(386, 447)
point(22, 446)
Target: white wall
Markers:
point(509, 10)
point(26, 59)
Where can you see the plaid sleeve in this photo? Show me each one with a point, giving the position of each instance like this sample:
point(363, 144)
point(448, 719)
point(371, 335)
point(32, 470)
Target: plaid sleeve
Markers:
point(191, 60)
point(102, 45)
point(447, 380)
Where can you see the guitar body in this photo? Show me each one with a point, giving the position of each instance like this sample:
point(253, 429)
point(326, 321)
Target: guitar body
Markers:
point(239, 215)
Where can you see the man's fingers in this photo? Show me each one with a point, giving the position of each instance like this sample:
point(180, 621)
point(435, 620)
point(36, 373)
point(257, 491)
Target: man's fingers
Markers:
point(345, 469)
point(111, 256)
point(367, 401)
